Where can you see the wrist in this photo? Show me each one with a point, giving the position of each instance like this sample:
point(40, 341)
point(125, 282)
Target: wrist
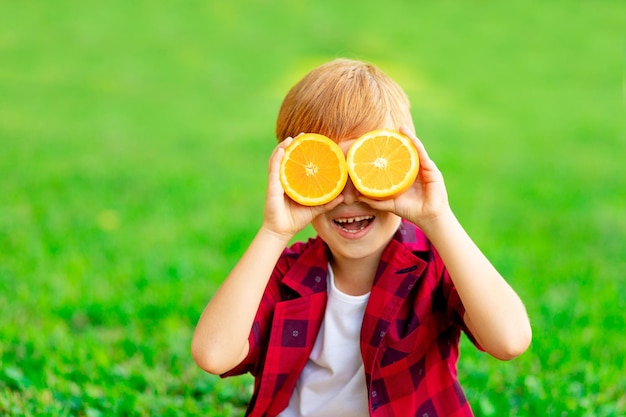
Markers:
point(277, 236)
point(436, 225)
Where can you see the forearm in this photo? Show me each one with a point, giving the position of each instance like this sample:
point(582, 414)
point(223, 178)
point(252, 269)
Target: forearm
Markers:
point(220, 340)
point(493, 311)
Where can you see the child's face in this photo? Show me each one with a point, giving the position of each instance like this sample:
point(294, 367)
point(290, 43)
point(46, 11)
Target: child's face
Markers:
point(354, 230)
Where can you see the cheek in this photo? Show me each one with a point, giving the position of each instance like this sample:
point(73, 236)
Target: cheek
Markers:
point(391, 222)
point(320, 224)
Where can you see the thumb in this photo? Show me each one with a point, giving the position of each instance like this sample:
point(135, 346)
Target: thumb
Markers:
point(317, 210)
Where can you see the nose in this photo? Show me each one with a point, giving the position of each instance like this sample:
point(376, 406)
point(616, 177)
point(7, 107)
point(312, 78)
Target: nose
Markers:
point(350, 193)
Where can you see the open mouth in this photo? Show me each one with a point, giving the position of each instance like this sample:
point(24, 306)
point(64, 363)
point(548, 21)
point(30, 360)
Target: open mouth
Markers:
point(353, 224)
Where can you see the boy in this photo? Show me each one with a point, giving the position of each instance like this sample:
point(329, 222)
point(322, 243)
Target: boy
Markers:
point(364, 319)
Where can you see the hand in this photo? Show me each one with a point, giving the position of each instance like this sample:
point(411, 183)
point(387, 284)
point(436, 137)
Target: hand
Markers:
point(426, 200)
point(284, 216)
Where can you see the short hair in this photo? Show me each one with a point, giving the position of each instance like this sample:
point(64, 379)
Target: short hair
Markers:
point(343, 99)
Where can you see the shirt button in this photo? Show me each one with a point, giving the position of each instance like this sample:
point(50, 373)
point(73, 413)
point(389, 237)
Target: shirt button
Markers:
point(318, 279)
point(295, 333)
point(374, 394)
point(382, 334)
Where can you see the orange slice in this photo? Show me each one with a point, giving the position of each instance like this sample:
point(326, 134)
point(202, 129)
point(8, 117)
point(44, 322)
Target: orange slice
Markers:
point(382, 163)
point(313, 170)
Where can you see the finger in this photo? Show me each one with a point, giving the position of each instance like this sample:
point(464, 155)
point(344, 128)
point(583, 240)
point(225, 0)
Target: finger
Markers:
point(317, 210)
point(426, 164)
point(284, 143)
point(334, 203)
point(275, 158)
point(383, 205)
point(279, 151)
point(274, 167)
point(408, 131)
point(421, 149)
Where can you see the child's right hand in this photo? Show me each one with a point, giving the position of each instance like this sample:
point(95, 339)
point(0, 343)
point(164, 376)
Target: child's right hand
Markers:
point(220, 341)
point(284, 216)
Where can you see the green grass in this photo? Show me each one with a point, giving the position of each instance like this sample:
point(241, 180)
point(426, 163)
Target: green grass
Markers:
point(133, 146)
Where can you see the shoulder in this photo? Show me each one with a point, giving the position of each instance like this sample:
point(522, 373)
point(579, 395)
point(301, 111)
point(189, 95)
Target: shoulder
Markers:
point(412, 237)
point(297, 248)
point(411, 251)
point(301, 252)
point(300, 268)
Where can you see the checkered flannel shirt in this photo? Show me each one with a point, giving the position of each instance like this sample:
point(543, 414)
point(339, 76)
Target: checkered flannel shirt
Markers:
point(409, 336)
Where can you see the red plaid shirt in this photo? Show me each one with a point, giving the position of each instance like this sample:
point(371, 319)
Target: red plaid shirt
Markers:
point(409, 336)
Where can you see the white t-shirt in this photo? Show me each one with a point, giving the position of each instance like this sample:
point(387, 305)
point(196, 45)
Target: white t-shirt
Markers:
point(333, 380)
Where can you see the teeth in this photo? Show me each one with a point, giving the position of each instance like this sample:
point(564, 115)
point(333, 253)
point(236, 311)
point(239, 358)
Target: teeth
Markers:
point(354, 219)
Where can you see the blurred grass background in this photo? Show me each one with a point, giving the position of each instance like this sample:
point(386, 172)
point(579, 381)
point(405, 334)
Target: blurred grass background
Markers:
point(134, 139)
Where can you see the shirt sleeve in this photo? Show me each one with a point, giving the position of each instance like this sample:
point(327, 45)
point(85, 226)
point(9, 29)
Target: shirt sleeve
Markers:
point(259, 333)
point(456, 309)
point(251, 361)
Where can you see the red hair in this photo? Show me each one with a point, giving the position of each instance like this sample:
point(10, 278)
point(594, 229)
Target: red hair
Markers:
point(343, 99)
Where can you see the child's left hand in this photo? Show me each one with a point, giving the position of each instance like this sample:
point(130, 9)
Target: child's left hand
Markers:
point(426, 200)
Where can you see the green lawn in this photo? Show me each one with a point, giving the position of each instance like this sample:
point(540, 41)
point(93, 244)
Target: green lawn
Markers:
point(134, 139)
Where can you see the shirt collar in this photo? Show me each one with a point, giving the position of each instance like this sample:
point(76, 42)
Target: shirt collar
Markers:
point(402, 256)
point(307, 275)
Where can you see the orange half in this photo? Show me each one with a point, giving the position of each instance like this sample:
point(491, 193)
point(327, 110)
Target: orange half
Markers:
point(382, 163)
point(313, 170)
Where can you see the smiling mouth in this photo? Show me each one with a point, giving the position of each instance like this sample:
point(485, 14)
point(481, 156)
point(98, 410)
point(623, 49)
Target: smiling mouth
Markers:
point(353, 224)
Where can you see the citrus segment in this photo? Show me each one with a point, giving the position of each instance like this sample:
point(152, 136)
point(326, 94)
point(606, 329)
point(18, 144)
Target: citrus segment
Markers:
point(382, 163)
point(313, 170)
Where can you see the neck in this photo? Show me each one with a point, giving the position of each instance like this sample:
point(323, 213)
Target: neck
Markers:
point(355, 276)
